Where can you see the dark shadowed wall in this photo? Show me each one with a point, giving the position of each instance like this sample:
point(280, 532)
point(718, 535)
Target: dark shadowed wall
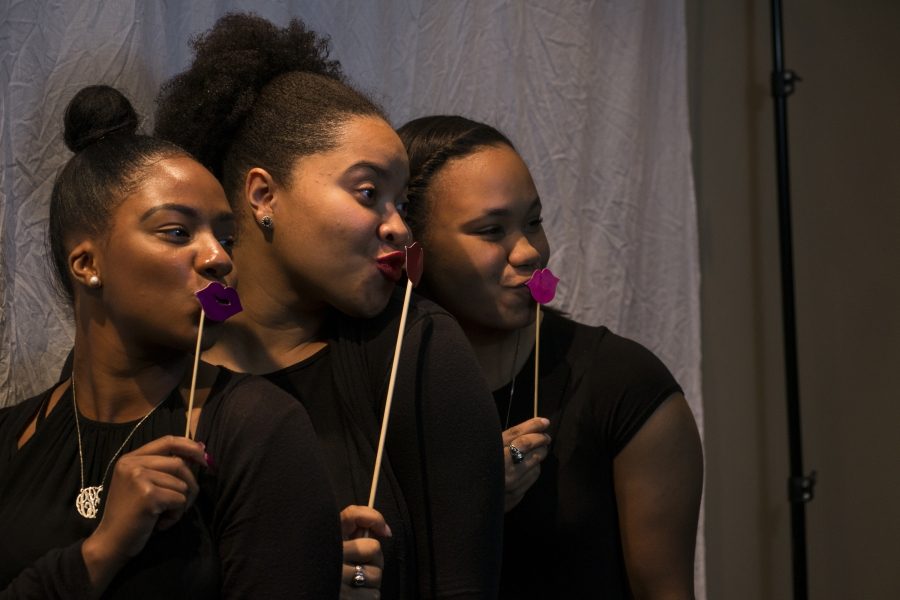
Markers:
point(845, 168)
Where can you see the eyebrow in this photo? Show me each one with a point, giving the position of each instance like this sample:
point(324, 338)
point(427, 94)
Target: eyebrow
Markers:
point(187, 211)
point(502, 212)
point(379, 170)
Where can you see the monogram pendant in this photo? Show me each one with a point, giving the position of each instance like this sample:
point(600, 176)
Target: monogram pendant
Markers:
point(88, 501)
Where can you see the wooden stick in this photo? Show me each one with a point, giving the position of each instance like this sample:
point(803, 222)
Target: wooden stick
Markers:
point(390, 394)
point(187, 426)
point(537, 354)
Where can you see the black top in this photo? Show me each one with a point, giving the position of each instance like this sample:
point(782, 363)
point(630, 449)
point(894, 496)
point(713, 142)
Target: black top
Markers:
point(597, 389)
point(441, 485)
point(264, 524)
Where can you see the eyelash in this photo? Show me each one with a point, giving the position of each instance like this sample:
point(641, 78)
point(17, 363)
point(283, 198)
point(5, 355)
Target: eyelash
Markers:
point(368, 200)
point(536, 223)
point(498, 231)
point(172, 234)
point(368, 195)
point(492, 230)
point(227, 243)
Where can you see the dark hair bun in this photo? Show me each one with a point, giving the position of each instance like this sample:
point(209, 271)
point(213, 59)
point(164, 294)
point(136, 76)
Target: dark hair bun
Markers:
point(203, 108)
point(95, 112)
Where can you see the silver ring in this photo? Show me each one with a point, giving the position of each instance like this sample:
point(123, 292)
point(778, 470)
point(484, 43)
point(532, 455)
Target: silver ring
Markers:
point(359, 578)
point(516, 454)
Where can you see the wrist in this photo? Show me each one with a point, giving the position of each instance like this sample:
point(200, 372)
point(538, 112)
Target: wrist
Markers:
point(101, 561)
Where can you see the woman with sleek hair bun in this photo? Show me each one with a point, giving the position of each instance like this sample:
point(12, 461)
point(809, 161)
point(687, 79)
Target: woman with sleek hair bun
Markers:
point(317, 180)
point(101, 493)
point(603, 487)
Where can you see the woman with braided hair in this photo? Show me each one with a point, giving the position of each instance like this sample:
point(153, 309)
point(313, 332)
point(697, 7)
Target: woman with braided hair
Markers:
point(603, 487)
point(317, 179)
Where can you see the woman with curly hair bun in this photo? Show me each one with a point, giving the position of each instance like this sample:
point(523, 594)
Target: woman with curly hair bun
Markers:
point(101, 493)
point(317, 179)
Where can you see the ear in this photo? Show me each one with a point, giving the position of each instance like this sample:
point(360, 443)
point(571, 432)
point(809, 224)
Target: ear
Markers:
point(259, 190)
point(84, 264)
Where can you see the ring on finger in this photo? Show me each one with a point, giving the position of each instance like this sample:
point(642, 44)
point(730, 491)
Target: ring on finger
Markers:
point(516, 454)
point(359, 577)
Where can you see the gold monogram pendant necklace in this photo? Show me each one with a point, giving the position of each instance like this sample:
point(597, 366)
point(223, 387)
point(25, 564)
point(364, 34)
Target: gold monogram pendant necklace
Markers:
point(88, 501)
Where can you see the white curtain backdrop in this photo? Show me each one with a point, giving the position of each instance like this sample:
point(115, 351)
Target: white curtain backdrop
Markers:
point(593, 93)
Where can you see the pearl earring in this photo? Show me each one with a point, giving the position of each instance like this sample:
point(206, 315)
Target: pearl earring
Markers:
point(94, 281)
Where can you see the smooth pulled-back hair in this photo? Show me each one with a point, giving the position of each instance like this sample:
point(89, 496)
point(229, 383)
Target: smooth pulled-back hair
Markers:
point(431, 142)
point(109, 164)
point(257, 95)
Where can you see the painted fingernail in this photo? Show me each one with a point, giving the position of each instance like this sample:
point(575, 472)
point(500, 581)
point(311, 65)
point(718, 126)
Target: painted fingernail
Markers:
point(389, 532)
point(209, 460)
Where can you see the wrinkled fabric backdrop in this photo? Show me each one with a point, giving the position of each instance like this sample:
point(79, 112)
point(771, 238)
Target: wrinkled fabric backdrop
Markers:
point(593, 93)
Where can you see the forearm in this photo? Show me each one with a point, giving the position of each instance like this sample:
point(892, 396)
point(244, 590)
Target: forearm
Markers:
point(59, 574)
point(100, 563)
point(459, 471)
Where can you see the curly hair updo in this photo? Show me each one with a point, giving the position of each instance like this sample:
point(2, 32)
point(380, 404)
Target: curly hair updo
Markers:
point(257, 95)
point(109, 164)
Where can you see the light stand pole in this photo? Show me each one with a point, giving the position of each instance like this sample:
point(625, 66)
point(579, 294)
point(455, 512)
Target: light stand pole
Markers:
point(800, 486)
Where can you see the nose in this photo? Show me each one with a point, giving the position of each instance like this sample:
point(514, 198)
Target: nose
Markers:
point(393, 229)
point(524, 254)
point(213, 261)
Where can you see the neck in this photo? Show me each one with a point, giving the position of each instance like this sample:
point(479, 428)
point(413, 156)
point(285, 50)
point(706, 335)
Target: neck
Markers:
point(277, 328)
point(501, 353)
point(115, 384)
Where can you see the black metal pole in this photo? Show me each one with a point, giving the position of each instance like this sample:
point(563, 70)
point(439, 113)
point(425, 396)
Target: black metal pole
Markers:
point(800, 487)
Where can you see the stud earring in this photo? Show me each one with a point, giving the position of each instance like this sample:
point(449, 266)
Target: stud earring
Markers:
point(266, 222)
point(94, 281)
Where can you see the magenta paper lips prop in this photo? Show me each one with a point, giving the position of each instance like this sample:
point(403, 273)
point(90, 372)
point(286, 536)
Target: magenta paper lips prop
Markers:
point(218, 301)
point(415, 260)
point(542, 285)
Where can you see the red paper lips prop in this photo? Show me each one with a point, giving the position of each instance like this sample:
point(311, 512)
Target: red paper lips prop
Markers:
point(415, 262)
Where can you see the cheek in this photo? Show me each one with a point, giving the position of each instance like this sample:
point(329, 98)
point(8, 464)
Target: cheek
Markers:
point(163, 285)
point(334, 231)
point(463, 273)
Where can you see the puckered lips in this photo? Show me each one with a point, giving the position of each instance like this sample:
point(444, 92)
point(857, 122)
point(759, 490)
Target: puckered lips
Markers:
point(391, 265)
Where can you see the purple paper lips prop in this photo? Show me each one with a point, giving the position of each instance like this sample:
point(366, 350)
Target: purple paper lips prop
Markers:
point(542, 285)
point(415, 262)
point(218, 301)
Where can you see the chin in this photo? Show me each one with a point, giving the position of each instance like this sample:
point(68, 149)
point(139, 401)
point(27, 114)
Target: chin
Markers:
point(364, 306)
point(211, 333)
point(515, 318)
point(495, 322)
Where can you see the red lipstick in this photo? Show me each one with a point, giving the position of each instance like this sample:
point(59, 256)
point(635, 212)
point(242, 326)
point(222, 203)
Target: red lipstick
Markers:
point(391, 265)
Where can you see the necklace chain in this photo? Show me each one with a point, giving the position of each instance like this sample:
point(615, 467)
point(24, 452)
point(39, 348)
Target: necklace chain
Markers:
point(513, 374)
point(88, 501)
